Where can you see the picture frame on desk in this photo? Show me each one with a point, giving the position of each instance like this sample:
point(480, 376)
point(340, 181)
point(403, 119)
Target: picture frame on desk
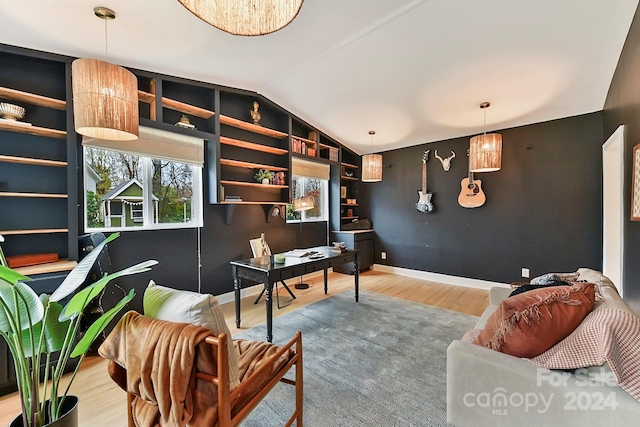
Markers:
point(343, 191)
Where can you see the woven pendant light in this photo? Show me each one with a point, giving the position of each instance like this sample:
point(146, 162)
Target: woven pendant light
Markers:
point(485, 151)
point(303, 203)
point(105, 96)
point(372, 165)
point(245, 17)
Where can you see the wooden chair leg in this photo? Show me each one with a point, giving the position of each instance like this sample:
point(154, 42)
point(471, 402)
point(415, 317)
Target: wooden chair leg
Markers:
point(130, 422)
point(299, 381)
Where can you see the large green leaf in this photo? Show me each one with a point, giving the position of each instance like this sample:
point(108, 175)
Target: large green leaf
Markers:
point(81, 299)
point(76, 277)
point(29, 304)
point(54, 330)
point(11, 276)
point(98, 326)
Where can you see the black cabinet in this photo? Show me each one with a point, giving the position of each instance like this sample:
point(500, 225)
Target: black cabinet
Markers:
point(360, 240)
point(7, 373)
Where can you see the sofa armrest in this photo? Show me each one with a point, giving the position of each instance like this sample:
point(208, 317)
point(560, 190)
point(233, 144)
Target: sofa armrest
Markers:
point(497, 294)
point(489, 388)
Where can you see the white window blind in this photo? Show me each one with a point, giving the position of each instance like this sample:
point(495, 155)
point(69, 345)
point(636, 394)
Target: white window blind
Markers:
point(309, 169)
point(157, 144)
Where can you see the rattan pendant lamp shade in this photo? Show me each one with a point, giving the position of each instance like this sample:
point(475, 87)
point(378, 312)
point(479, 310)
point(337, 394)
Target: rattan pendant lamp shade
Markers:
point(371, 165)
point(303, 203)
point(245, 17)
point(105, 96)
point(485, 151)
point(105, 100)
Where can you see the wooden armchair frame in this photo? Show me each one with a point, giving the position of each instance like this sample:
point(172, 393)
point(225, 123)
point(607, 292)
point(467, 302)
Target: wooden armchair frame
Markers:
point(226, 396)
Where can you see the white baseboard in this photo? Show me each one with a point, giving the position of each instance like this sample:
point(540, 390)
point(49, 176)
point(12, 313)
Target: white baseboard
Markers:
point(255, 290)
point(440, 278)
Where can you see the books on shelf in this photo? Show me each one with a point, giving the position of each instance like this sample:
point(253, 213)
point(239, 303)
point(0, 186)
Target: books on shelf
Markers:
point(338, 247)
point(299, 146)
point(233, 199)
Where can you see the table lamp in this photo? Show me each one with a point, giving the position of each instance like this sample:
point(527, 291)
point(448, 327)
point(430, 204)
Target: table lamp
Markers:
point(300, 204)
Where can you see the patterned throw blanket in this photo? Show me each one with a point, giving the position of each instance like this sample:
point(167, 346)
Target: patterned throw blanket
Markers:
point(605, 335)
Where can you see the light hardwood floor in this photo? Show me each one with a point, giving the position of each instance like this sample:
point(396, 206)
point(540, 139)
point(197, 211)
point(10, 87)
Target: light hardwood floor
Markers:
point(103, 404)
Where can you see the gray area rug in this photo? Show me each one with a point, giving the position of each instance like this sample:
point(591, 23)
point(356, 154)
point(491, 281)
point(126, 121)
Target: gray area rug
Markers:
point(378, 362)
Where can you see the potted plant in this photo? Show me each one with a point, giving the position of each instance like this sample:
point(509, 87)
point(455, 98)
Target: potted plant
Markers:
point(265, 176)
point(35, 327)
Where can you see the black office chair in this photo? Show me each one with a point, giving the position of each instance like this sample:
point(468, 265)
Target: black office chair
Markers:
point(258, 250)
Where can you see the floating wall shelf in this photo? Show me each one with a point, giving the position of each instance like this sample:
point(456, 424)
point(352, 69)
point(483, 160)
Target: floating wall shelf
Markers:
point(230, 121)
point(249, 165)
point(32, 98)
point(28, 161)
point(33, 130)
point(35, 195)
point(252, 146)
point(35, 231)
point(177, 105)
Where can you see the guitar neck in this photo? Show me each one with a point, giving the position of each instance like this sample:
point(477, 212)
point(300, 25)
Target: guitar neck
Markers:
point(424, 177)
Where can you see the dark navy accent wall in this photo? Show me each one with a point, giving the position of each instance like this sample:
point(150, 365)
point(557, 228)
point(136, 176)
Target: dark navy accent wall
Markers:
point(622, 107)
point(543, 208)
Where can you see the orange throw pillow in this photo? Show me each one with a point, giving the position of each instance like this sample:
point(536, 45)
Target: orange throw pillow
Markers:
point(530, 323)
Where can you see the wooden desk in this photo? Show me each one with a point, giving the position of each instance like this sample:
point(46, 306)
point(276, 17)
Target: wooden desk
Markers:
point(264, 270)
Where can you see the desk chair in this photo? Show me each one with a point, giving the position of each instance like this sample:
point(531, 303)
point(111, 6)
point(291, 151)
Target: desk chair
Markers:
point(258, 251)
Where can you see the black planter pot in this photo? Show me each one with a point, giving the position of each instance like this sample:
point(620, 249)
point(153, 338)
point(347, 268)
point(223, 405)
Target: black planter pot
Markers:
point(68, 419)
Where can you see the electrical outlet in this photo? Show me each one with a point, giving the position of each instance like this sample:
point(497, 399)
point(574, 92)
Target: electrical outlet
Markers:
point(525, 272)
point(383, 255)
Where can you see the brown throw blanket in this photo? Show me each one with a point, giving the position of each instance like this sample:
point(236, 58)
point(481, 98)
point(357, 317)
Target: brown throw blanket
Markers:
point(158, 360)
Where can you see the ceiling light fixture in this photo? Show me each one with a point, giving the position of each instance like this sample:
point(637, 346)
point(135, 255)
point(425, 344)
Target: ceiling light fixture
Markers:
point(485, 151)
point(105, 96)
point(372, 164)
point(303, 203)
point(245, 17)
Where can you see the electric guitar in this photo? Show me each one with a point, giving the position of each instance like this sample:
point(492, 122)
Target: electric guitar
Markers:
point(424, 204)
point(471, 194)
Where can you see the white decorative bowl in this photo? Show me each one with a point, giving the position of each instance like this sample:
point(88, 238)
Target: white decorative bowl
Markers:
point(11, 111)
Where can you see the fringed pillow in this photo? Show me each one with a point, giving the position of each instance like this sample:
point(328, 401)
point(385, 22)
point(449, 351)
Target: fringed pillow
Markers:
point(529, 324)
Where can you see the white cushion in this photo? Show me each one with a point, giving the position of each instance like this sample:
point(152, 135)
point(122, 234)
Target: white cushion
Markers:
point(610, 296)
point(594, 276)
point(161, 302)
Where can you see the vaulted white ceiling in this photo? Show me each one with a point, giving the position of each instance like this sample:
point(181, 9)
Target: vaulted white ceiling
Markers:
point(415, 71)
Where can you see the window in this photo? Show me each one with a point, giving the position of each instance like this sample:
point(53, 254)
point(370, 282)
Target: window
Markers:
point(310, 179)
point(137, 212)
point(131, 190)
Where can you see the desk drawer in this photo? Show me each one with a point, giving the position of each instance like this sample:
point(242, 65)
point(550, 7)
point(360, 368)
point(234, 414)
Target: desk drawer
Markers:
point(300, 270)
point(339, 260)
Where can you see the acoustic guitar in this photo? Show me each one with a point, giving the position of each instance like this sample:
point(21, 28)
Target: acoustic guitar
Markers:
point(424, 204)
point(471, 194)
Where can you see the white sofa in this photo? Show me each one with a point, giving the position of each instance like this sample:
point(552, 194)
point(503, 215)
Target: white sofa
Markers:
point(489, 388)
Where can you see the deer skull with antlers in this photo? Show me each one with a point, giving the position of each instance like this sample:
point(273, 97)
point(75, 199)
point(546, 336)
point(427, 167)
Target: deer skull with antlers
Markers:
point(446, 162)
